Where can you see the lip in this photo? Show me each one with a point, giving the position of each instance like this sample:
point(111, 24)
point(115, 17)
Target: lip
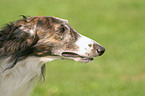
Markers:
point(77, 57)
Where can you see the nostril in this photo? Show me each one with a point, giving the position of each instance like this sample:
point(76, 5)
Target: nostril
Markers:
point(101, 51)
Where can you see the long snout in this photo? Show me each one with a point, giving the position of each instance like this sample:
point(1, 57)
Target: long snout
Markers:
point(88, 47)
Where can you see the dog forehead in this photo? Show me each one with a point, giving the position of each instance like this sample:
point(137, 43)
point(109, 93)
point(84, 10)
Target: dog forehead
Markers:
point(49, 19)
point(63, 20)
point(52, 18)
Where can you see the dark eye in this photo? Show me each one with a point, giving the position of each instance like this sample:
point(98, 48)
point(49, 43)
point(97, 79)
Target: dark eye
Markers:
point(62, 29)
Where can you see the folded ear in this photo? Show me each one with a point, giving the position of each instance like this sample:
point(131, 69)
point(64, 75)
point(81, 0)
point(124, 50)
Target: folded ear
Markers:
point(27, 33)
point(13, 31)
point(17, 41)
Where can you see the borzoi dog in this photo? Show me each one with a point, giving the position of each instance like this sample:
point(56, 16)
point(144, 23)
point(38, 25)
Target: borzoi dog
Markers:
point(27, 44)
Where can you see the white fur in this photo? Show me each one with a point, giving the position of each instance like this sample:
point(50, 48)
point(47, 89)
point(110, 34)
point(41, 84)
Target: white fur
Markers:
point(19, 81)
point(83, 44)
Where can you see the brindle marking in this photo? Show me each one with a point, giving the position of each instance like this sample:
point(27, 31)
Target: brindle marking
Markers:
point(16, 40)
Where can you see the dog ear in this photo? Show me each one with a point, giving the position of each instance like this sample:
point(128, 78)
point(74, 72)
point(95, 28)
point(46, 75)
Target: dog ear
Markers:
point(19, 32)
point(27, 36)
point(17, 42)
point(25, 32)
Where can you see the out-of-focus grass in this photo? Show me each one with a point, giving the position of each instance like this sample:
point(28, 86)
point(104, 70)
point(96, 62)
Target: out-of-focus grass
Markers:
point(119, 25)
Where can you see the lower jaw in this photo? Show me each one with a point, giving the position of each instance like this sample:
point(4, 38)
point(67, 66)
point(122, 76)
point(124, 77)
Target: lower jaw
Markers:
point(83, 60)
point(79, 59)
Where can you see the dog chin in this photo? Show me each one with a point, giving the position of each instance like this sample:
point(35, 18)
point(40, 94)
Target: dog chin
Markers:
point(83, 60)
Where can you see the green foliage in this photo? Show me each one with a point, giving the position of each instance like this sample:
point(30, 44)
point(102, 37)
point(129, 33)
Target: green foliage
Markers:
point(119, 25)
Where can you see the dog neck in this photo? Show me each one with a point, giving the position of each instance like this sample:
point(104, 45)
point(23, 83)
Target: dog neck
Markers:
point(19, 80)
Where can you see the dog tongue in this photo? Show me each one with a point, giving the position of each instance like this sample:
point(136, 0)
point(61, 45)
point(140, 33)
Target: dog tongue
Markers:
point(69, 54)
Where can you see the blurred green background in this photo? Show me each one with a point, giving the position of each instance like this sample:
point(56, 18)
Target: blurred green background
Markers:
point(118, 25)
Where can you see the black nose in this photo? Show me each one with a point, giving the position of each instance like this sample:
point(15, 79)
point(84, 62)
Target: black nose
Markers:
point(100, 50)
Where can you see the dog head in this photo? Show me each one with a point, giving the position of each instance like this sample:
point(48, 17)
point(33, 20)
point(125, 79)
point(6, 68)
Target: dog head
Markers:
point(47, 37)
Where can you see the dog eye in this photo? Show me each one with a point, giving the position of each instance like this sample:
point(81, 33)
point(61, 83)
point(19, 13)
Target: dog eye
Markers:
point(62, 29)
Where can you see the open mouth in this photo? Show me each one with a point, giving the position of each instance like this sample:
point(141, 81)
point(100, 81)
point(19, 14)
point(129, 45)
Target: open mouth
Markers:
point(74, 55)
